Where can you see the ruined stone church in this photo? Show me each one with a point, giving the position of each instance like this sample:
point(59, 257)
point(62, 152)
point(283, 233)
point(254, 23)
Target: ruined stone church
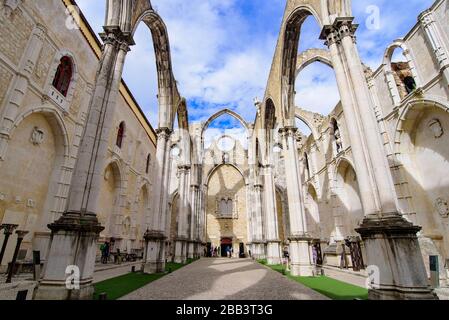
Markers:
point(367, 190)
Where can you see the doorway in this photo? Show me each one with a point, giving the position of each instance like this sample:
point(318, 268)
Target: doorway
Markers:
point(226, 245)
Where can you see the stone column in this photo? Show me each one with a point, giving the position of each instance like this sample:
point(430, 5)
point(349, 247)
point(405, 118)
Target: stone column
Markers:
point(271, 222)
point(436, 41)
point(391, 244)
point(182, 238)
point(299, 238)
point(155, 261)
point(74, 235)
point(20, 87)
point(258, 240)
point(193, 251)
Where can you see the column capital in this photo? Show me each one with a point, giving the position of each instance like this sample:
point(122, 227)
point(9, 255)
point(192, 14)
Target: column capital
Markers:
point(9, 228)
point(341, 28)
point(163, 133)
point(113, 35)
point(183, 168)
point(288, 131)
point(346, 27)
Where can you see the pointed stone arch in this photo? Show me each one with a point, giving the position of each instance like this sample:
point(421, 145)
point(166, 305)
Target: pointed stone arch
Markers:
point(168, 95)
point(310, 56)
point(221, 113)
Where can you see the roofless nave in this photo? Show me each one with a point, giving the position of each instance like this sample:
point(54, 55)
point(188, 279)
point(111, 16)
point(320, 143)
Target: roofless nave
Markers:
point(366, 191)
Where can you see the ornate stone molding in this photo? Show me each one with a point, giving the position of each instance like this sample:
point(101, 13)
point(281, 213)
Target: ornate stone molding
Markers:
point(9, 6)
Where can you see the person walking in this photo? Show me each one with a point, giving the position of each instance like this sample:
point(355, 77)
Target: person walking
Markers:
point(102, 250)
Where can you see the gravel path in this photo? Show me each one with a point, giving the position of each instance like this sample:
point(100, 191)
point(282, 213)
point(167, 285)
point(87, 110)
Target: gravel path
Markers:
point(219, 279)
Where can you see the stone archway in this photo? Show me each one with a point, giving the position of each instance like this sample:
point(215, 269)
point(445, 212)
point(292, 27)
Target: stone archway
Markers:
point(31, 174)
point(421, 140)
point(226, 182)
point(348, 198)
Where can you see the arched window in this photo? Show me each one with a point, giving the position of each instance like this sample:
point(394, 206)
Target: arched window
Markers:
point(120, 134)
point(147, 168)
point(63, 76)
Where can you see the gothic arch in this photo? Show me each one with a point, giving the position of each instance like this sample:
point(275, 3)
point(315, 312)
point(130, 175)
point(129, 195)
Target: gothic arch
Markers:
point(57, 194)
point(116, 169)
point(221, 113)
point(292, 32)
point(213, 170)
point(409, 116)
point(394, 92)
point(305, 116)
point(56, 121)
point(310, 56)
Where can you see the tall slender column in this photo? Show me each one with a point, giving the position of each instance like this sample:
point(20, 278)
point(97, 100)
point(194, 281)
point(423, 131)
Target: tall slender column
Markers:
point(258, 220)
point(191, 252)
point(436, 41)
point(20, 87)
point(155, 257)
point(271, 222)
point(182, 237)
point(389, 239)
point(299, 238)
point(74, 235)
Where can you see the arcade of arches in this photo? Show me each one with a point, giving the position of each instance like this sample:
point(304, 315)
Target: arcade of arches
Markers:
point(365, 189)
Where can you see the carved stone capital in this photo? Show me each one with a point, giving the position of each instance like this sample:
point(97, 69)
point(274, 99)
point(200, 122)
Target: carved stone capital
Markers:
point(288, 132)
point(163, 133)
point(330, 35)
point(8, 228)
point(116, 37)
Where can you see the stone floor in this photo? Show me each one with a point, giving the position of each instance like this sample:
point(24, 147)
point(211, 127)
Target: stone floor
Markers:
point(219, 279)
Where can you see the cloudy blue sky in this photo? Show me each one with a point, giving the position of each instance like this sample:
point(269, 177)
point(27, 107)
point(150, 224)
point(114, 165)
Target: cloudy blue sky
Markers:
point(222, 52)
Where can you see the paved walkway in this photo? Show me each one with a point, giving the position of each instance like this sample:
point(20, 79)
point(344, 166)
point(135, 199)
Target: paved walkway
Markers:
point(104, 272)
point(219, 279)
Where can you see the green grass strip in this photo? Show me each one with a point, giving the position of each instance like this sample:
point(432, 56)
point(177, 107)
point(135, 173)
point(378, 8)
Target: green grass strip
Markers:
point(118, 287)
point(329, 287)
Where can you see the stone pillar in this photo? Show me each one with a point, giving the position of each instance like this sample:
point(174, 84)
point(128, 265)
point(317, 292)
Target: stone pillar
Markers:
point(20, 87)
point(271, 222)
point(74, 235)
point(194, 223)
point(391, 244)
point(299, 238)
point(182, 244)
point(155, 257)
point(259, 251)
point(436, 41)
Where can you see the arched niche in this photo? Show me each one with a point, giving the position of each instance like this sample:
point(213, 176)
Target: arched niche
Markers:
point(32, 175)
point(423, 158)
point(109, 203)
point(348, 197)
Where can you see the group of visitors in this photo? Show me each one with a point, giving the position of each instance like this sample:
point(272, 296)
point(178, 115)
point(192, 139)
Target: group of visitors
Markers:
point(215, 251)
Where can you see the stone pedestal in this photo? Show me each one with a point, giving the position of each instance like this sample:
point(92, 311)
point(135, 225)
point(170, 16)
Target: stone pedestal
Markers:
point(155, 252)
point(71, 256)
point(273, 252)
point(180, 250)
point(259, 250)
point(394, 259)
point(191, 250)
point(300, 257)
